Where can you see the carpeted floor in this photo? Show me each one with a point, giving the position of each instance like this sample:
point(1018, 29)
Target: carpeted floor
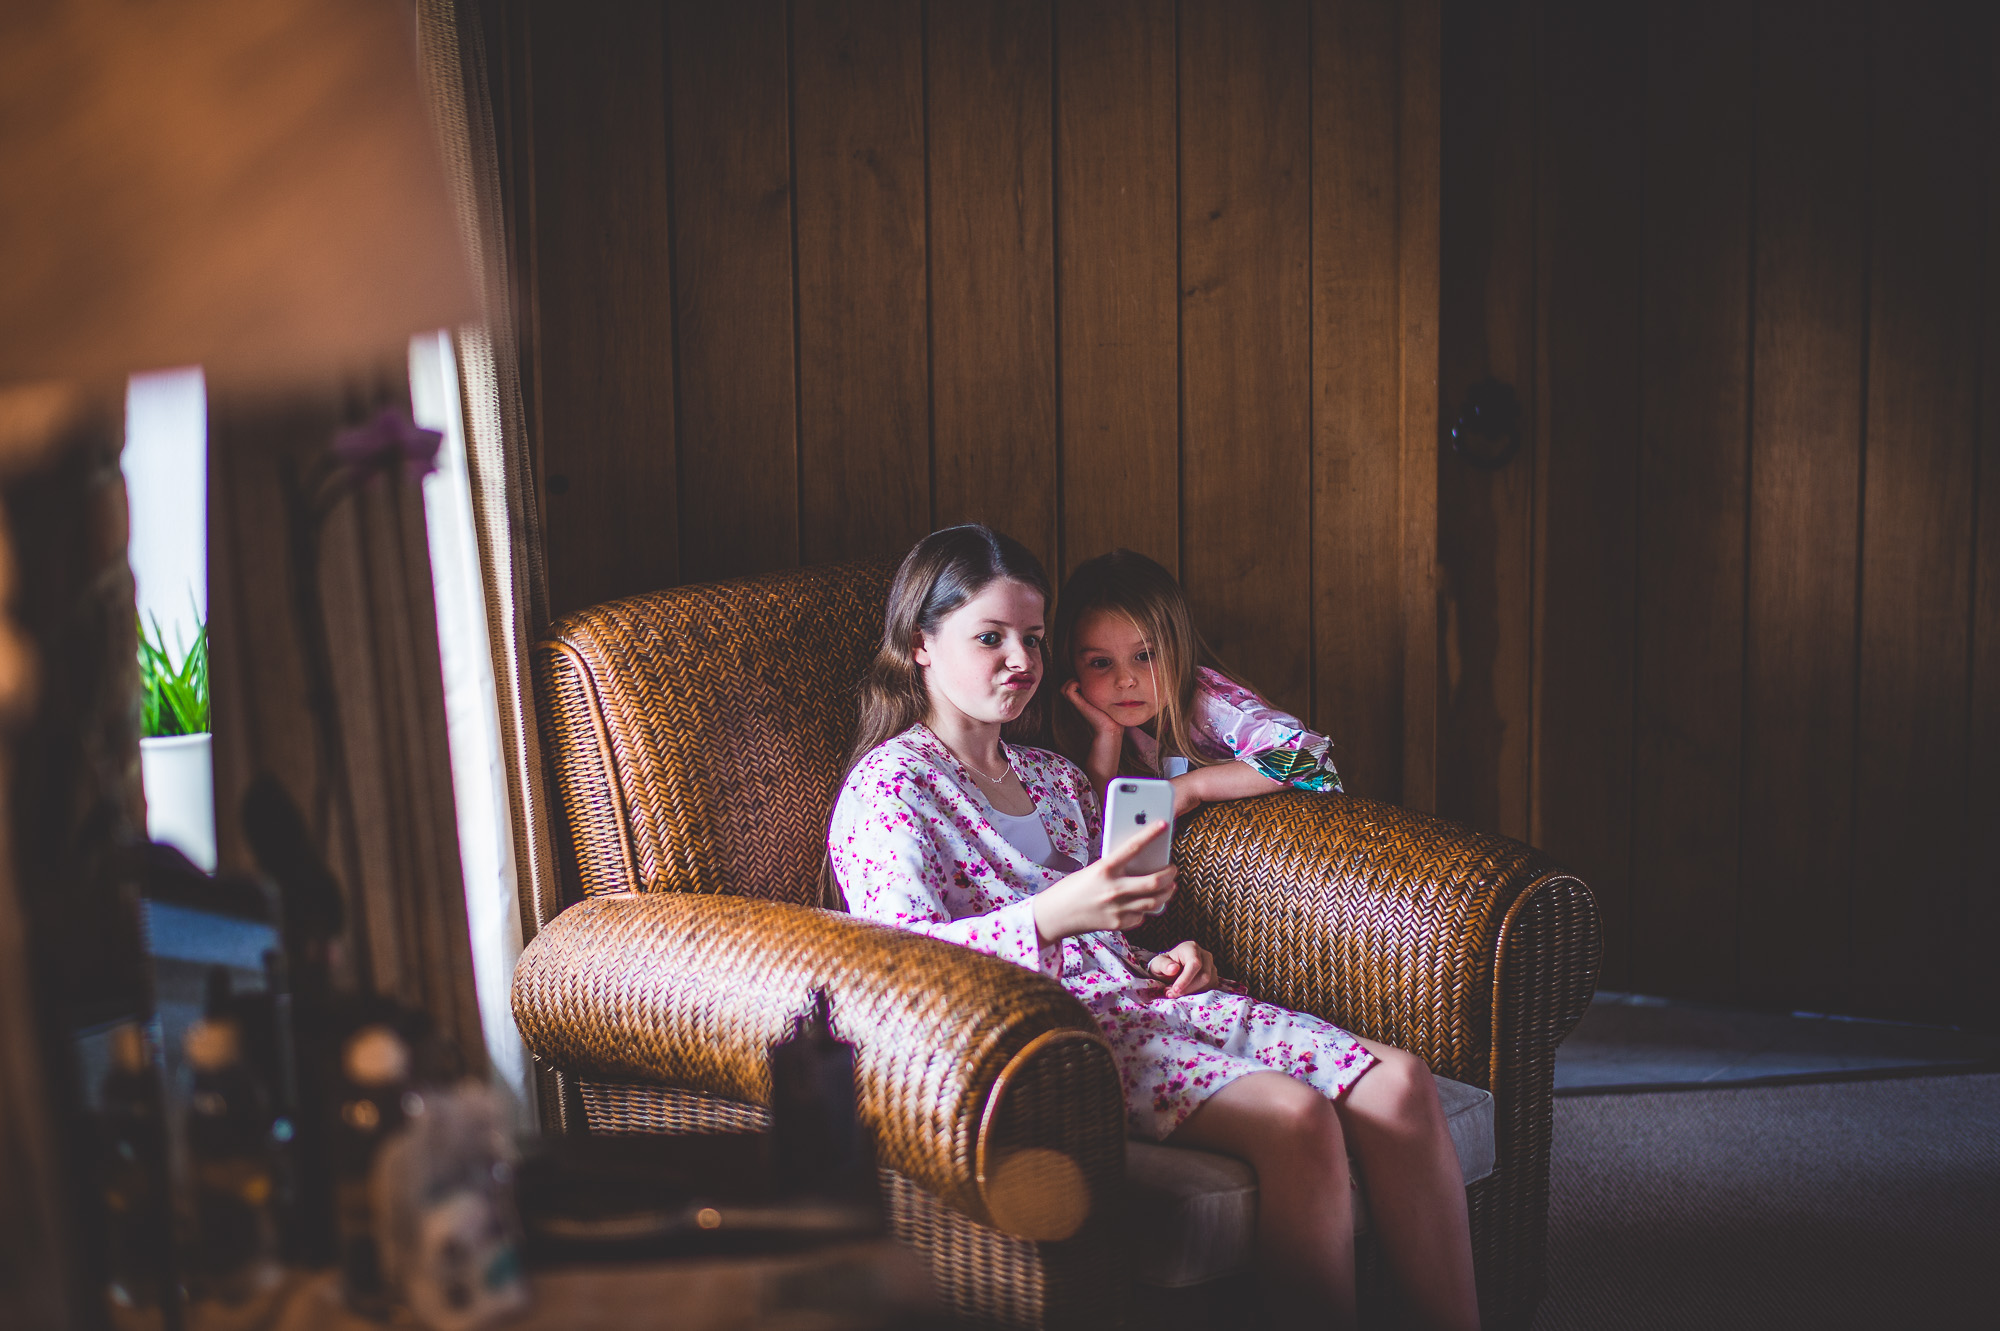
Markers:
point(1629, 1041)
point(1861, 1204)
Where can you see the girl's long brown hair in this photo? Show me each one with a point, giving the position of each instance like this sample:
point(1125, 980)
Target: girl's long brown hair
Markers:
point(1127, 583)
point(941, 573)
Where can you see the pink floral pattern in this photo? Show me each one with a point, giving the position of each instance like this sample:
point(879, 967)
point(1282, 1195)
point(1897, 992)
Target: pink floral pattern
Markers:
point(912, 846)
point(1230, 721)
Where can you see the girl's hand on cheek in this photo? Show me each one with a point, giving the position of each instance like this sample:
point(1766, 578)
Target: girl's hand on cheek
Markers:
point(1099, 721)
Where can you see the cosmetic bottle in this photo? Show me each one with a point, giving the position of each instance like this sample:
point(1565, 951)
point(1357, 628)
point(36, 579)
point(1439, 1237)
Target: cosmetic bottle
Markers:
point(229, 1157)
point(141, 1285)
point(446, 1226)
point(373, 1081)
point(817, 1141)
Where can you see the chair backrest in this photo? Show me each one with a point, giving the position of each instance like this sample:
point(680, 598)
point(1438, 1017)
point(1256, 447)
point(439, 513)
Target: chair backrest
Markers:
point(695, 735)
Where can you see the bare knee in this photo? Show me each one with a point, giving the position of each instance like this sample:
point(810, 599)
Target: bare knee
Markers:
point(1398, 1094)
point(1304, 1126)
point(1271, 1121)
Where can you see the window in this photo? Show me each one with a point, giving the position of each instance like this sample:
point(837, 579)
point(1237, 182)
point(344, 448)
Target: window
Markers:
point(166, 486)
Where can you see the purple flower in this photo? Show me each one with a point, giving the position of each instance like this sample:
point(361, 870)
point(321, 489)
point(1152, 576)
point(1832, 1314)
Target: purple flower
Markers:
point(391, 438)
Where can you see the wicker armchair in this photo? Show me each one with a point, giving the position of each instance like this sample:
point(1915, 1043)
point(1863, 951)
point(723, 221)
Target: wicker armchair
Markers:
point(695, 737)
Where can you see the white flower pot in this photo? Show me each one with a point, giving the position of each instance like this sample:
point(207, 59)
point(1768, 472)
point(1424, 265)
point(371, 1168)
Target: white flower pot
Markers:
point(179, 774)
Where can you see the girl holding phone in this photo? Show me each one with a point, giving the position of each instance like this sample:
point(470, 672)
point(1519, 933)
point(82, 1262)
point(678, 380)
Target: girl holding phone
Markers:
point(945, 828)
point(1145, 696)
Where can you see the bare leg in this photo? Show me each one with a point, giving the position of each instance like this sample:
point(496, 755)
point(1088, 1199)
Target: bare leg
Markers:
point(1305, 1215)
point(1416, 1192)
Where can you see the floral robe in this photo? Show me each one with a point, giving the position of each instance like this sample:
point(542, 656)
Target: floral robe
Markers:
point(912, 846)
point(1232, 723)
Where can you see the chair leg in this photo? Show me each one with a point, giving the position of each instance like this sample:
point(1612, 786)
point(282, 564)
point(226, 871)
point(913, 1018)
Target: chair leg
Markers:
point(1508, 1251)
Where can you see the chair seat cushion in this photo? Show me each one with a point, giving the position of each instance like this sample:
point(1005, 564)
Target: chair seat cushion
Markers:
point(1193, 1214)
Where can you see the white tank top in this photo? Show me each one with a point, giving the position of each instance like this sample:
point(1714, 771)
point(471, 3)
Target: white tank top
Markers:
point(1025, 833)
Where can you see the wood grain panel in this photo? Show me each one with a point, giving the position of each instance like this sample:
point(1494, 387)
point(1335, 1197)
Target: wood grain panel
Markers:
point(1246, 372)
point(730, 71)
point(1487, 331)
point(1930, 120)
point(1006, 220)
point(1417, 135)
point(603, 280)
point(1978, 998)
point(864, 417)
point(1592, 113)
point(1693, 455)
point(1805, 503)
point(1117, 234)
point(1357, 392)
point(993, 365)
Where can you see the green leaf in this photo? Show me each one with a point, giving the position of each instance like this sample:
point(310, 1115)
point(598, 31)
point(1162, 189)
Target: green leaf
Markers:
point(174, 695)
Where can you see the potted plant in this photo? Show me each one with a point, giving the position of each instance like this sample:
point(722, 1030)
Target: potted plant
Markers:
point(175, 760)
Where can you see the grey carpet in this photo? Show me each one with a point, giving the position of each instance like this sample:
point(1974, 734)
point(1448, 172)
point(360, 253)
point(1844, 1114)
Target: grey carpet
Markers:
point(1866, 1204)
point(1632, 1040)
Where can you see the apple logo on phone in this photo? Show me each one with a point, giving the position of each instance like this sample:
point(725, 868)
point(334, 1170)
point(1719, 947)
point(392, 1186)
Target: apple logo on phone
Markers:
point(1141, 819)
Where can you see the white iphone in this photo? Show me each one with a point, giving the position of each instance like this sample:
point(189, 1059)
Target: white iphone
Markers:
point(1131, 805)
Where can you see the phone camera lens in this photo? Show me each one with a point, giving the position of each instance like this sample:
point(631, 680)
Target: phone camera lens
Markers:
point(1129, 789)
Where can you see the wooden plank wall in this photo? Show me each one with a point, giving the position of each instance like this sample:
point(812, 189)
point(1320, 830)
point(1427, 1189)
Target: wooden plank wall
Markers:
point(1723, 638)
point(805, 281)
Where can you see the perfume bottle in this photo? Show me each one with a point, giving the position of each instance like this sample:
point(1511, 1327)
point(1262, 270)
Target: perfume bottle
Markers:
point(818, 1145)
point(445, 1221)
point(142, 1287)
point(374, 1084)
point(306, 1013)
point(229, 1153)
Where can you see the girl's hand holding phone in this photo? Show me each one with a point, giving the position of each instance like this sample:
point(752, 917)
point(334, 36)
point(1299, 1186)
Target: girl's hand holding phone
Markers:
point(1188, 966)
point(1103, 895)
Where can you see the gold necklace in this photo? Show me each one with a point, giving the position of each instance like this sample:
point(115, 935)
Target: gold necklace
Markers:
point(966, 762)
point(990, 780)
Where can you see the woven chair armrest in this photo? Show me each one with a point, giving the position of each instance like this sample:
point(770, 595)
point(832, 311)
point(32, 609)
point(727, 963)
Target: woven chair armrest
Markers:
point(1472, 951)
point(964, 1061)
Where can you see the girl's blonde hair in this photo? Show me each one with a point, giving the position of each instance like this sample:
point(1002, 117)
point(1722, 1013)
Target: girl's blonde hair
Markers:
point(1127, 583)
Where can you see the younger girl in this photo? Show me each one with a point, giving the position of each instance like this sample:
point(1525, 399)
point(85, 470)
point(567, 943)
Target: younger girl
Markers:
point(944, 828)
point(1147, 698)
